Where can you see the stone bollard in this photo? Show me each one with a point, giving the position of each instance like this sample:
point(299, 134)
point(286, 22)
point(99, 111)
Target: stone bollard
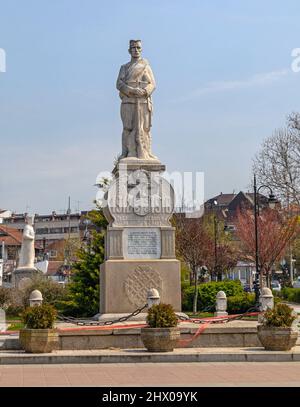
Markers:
point(266, 299)
point(153, 297)
point(3, 325)
point(35, 298)
point(221, 304)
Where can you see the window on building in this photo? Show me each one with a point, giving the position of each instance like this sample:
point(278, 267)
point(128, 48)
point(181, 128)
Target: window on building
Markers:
point(42, 231)
point(11, 252)
point(73, 229)
point(56, 230)
point(243, 274)
point(53, 254)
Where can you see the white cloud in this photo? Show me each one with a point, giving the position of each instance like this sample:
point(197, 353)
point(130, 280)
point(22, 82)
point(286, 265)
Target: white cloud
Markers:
point(261, 79)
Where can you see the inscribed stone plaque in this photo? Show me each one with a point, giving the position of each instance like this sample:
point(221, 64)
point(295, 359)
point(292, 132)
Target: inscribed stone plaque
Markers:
point(142, 243)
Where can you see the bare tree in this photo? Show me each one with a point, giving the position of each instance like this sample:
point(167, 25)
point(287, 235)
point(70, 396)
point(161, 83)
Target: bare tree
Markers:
point(278, 162)
point(275, 231)
point(225, 253)
point(294, 122)
point(194, 246)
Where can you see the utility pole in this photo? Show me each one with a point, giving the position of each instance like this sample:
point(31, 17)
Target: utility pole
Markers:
point(291, 267)
point(67, 250)
point(2, 263)
point(216, 247)
point(69, 217)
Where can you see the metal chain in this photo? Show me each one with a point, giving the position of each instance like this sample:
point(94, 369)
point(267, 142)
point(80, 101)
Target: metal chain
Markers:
point(206, 309)
point(85, 322)
point(219, 321)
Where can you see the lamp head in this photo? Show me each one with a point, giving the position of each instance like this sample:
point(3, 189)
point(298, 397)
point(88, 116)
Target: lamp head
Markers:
point(272, 201)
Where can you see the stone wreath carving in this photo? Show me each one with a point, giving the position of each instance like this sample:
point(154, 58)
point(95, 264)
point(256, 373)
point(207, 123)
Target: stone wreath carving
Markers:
point(139, 282)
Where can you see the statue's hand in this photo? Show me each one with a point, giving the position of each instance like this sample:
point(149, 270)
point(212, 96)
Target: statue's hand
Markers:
point(138, 92)
point(141, 92)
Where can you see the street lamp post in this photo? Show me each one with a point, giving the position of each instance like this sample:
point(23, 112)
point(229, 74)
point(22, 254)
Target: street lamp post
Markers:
point(215, 203)
point(272, 202)
point(216, 245)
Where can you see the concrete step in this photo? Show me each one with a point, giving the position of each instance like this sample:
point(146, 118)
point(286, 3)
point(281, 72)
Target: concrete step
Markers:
point(142, 356)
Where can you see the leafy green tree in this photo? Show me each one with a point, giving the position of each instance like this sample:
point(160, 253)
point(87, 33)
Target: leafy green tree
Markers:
point(84, 286)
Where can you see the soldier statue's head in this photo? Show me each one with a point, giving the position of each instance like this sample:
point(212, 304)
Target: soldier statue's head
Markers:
point(29, 219)
point(135, 48)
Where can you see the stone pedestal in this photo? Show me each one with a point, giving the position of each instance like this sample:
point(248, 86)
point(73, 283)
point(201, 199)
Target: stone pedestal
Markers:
point(124, 284)
point(220, 314)
point(23, 275)
point(140, 240)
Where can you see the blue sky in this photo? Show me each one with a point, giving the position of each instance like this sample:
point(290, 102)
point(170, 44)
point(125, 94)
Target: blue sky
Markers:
point(224, 83)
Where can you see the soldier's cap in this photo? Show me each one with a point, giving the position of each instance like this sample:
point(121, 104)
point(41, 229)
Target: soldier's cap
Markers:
point(134, 42)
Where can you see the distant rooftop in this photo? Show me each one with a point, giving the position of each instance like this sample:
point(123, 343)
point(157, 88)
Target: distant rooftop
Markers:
point(10, 236)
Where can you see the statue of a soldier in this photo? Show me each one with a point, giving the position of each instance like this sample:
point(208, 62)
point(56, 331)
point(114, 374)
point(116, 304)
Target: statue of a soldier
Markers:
point(136, 84)
point(27, 253)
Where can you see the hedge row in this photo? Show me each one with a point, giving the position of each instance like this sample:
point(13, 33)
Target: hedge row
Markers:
point(290, 294)
point(207, 293)
point(240, 303)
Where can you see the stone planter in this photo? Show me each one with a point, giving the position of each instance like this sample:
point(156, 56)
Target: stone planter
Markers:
point(160, 339)
point(38, 340)
point(275, 338)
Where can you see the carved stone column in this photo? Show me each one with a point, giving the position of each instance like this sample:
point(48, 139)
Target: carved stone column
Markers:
point(168, 243)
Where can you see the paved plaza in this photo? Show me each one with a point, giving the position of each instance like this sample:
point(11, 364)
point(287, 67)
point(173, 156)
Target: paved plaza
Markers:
point(152, 374)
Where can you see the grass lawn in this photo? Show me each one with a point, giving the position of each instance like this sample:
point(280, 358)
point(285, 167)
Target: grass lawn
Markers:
point(13, 318)
point(15, 326)
point(200, 314)
point(210, 314)
point(250, 318)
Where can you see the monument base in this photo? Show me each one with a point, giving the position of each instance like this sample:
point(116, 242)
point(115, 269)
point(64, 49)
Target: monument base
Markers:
point(124, 284)
point(133, 164)
point(220, 314)
point(140, 317)
point(113, 317)
point(22, 275)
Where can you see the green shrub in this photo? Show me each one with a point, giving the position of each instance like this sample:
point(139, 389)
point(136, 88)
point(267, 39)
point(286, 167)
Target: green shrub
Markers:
point(207, 293)
point(277, 300)
point(5, 297)
point(53, 293)
point(239, 304)
point(280, 316)
point(161, 316)
point(14, 310)
point(290, 294)
point(187, 295)
point(40, 317)
point(14, 306)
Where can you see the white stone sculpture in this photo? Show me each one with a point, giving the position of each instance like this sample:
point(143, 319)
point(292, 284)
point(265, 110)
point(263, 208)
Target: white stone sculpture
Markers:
point(136, 84)
point(153, 297)
point(221, 304)
point(35, 298)
point(266, 299)
point(27, 254)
